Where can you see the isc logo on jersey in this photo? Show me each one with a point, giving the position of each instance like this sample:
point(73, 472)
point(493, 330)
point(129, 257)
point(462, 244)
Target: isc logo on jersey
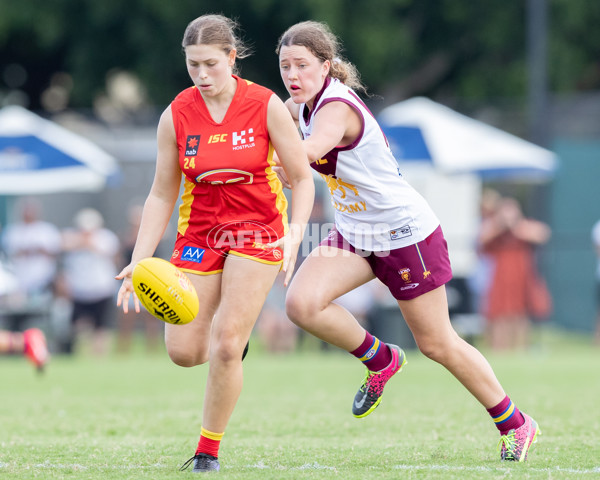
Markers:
point(239, 140)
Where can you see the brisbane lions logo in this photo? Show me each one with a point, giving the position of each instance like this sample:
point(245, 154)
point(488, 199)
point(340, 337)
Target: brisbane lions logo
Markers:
point(405, 274)
point(225, 176)
point(335, 183)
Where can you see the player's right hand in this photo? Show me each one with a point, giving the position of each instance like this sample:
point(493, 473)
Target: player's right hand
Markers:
point(127, 290)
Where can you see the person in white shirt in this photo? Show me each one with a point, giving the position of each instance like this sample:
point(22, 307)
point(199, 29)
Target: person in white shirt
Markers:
point(384, 229)
point(89, 268)
point(32, 247)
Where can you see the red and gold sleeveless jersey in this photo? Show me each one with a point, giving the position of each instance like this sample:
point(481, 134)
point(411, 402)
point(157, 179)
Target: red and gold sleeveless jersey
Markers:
point(227, 166)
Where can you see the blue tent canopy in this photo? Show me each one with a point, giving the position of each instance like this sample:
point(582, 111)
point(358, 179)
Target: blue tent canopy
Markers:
point(46, 156)
point(38, 156)
point(407, 143)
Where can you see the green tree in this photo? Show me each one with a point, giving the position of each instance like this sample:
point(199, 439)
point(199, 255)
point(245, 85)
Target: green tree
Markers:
point(439, 48)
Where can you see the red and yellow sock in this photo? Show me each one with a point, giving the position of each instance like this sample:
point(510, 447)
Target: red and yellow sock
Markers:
point(209, 442)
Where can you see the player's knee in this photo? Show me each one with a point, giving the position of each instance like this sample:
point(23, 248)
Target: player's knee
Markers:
point(430, 349)
point(185, 357)
point(227, 349)
point(435, 348)
point(300, 308)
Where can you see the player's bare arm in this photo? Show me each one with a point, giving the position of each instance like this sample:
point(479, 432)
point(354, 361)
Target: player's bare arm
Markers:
point(164, 191)
point(158, 206)
point(294, 109)
point(336, 124)
point(292, 156)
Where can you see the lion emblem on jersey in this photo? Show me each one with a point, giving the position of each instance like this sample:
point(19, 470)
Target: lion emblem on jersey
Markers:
point(335, 183)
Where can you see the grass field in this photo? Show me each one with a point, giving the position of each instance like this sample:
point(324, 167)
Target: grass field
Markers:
point(138, 416)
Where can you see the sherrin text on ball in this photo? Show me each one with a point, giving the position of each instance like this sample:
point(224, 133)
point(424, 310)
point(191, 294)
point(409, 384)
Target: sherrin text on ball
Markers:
point(165, 291)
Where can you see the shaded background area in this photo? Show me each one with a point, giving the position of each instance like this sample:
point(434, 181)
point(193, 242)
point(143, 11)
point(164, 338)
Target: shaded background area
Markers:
point(106, 70)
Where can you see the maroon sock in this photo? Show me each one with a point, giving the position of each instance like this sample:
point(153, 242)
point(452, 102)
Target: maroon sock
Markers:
point(375, 354)
point(506, 416)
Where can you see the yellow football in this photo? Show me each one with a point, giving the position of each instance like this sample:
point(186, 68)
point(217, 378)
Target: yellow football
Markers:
point(165, 291)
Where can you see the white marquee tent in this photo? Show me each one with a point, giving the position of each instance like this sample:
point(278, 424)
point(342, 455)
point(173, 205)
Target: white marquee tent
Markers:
point(421, 130)
point(446, 155)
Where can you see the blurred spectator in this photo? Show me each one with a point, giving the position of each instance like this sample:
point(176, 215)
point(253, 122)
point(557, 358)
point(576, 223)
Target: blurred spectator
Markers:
point(30, 343)
point(517, 293)
point(471, 326)
point(480, 279)
point(126, 323)
point(32, 247)
point(88, 276)
point(596, 242)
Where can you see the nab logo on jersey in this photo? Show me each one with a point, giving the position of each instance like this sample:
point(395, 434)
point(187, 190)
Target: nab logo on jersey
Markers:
point(191, 145)
point(192, 254)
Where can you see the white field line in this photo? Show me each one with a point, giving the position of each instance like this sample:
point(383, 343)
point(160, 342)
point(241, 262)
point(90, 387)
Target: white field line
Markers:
point(317, 466)
point(79, 467)
point(493, 469)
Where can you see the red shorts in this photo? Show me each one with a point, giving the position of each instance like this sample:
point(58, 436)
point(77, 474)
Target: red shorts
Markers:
point(409, 271)
point(194, 257)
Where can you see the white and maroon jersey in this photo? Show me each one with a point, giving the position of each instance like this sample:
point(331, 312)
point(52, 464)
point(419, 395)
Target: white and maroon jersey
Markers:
point(375, 208)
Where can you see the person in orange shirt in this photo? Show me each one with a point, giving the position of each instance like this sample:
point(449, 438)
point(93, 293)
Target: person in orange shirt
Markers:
point(233, 235)
point(517, 293)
